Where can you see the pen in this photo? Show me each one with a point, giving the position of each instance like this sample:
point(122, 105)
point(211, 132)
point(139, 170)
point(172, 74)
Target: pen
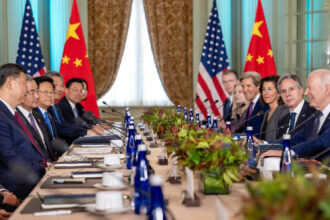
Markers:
point(58, 212)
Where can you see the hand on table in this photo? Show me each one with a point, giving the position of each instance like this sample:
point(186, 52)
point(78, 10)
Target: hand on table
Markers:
point(10, 198)
point(4, 215)
point(271, 153)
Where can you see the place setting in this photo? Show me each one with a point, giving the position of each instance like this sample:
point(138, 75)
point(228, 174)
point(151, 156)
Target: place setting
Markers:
point(112, 181)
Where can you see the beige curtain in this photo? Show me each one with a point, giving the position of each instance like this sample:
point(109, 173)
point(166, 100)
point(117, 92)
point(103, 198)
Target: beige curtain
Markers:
point(170, 29)
point(108, 22)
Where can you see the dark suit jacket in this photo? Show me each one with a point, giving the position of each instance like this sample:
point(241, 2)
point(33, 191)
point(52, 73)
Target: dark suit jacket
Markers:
point(269, 130)
point(45, 148)
point(68, 130)
point(305, 112)
point(40, 120)
point(306, 146)
point(16, 148)
point(65, 109)
point(257, 120)
point(227, 110)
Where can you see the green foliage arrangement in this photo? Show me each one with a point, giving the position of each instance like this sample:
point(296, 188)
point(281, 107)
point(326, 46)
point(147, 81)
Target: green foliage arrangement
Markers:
point(289, 198)
point(210, 152)
point(163, 122)
point(196, 148)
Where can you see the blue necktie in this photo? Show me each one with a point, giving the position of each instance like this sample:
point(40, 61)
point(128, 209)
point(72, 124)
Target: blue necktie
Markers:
point(292, 121)
point(75, 112)
point(48, 123)
point(56, 113)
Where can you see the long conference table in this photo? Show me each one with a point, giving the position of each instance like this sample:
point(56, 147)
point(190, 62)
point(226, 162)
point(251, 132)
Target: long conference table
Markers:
point(230, 205)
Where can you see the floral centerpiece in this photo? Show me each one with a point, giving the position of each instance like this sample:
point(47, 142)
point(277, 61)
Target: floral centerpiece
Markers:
point(217, 156)
point(162, 122)
point(289, 198)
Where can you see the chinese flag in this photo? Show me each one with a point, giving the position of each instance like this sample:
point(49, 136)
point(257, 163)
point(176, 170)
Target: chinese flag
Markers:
point(75, 63)
point(260, 55)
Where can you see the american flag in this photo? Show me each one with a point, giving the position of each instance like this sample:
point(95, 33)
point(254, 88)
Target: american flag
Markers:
point(29, 53)
point(209, 93)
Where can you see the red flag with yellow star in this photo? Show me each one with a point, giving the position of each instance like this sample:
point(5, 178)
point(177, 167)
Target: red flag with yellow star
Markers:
point(260, 55)
point(75, 63)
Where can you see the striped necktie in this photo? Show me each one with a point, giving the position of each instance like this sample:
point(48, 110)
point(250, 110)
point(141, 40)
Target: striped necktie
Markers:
point(18, 118)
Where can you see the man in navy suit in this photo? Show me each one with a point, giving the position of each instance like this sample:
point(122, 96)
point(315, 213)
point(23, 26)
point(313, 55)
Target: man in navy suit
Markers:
point(36, 127)
point(291, 90)
point(16, 143)
point(69, 105)
point(70, 108)
point(314, 139)
point(229, 79)
point(66, 130)
point(254, 115)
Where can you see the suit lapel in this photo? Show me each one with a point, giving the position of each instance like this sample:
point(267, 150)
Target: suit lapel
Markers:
point(302, 116)
point(35, 135)
point(68, 107)
point(325, 125)
point(7, 114)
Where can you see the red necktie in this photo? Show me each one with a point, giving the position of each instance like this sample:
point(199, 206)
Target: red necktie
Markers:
point(18, 118)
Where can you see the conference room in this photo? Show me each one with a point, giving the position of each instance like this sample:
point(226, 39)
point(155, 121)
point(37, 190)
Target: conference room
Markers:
point(164, 109)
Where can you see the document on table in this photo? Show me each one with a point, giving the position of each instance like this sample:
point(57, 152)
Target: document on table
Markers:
point(90, 150)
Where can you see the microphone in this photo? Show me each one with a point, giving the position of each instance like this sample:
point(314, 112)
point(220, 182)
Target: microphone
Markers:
point(59, 145)
point(198, 97)
point(315, 114)
point(91, 118)
point(272, 130)
point(113, 110)
point(238, 108)
point(215, 102)
point(81, 122)
point(23, 173)
point(112, 113)
point(260, 113)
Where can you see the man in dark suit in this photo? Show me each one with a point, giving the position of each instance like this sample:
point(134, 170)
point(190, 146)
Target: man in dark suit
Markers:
point(37, 128)
point(250, 85)
point(17, 145)
point(66, 130)
point(229, 79)
point(291, 90)
point(69, 105)
point(314, 139)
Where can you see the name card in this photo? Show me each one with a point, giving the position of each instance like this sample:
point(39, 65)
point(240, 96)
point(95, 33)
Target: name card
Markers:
point(190, 183)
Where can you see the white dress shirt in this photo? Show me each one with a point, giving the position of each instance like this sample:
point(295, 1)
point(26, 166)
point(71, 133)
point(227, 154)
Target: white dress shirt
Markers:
point(26, 115)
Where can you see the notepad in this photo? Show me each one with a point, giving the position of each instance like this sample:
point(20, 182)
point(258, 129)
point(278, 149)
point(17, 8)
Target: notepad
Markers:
point(67, 201)
point(73, 164)
point(90, 150)
point(87, 174)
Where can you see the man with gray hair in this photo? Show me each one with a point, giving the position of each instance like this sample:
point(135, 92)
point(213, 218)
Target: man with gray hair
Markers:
point(291, 91)
point(314, 139)
point(254, 115)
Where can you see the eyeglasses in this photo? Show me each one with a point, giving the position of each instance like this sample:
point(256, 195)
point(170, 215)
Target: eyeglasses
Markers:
point(75, 90)
point(46, 92)
point(228, 81)
point(31, 92)
point(289, 90)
